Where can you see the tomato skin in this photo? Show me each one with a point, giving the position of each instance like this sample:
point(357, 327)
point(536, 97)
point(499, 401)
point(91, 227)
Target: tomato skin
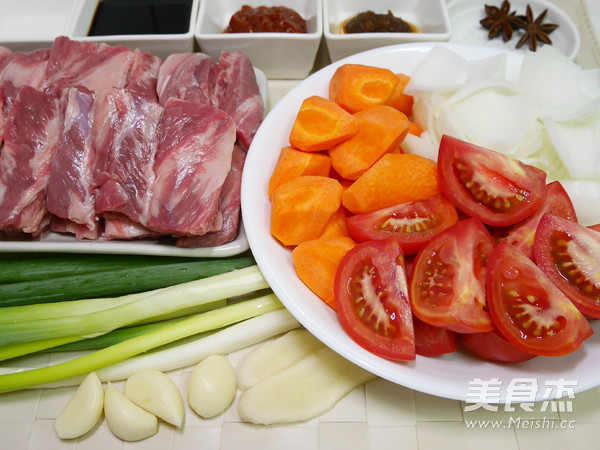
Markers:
point(493, 187)
point(493, 346)
point(569, 254)
point(433, 341)
point(372, 299)
point(557, 202)
point(528, 309)
point(415, 223)
point(447, 282)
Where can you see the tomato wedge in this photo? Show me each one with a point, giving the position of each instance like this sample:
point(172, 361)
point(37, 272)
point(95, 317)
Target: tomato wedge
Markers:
point(569, 254)
point(528, 309)
point(447, 282)
point(493, 187)
point(557, 202)
point(372, 300)
point(414, 223)
point(433, 341)
point(493, 346)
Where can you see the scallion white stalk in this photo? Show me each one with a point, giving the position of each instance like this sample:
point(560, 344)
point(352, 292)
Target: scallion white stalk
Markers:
point(156, 304)
point(211, 320)
point(65, 308)
point(226, 340)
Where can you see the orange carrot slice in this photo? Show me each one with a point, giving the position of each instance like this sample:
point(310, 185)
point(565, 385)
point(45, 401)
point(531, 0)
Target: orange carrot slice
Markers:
point(356, 87)
point(316, 262)
point(395, 178)
point(301, 208)
point(398, 99)
point(381, 129)
point(320, 124)
point(293, 163)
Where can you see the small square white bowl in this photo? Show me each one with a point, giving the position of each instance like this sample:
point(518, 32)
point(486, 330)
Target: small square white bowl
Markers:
point(278, 55)
point(430, 17)
point(27, 25)
point(161, 45)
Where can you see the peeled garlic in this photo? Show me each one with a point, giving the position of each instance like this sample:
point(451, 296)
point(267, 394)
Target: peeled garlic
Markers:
point(125, 419)
point(156, 393)
point(212, 386)
point(83, 409)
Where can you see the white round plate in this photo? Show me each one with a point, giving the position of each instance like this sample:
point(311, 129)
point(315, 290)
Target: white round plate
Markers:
point(447, 376)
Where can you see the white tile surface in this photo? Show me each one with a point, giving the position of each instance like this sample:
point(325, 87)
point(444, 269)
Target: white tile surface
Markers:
point(389, 405)
point(434, 409)
point(343, 436)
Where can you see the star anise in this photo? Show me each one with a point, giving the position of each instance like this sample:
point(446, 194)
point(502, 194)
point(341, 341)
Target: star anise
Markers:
point(499, 21)
point(534, 29)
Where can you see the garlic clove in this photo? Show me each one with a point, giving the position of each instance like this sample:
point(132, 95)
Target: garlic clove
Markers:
point(83, 410)
point(125, 419)
point(156, 393)
point(212, 386)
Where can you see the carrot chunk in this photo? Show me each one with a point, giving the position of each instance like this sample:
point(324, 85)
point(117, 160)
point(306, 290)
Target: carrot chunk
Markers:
point(316, 262)
point(320, 124)
point(398, 99)
point(395, 178)
point(414, 128)
point(301, 208)
point(381, 129)
point(293, 163)
point(356, 87)
point(336, 226)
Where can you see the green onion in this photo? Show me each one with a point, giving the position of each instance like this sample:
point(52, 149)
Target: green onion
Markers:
point(223, 341)
point(157, 303)
point(119, 281)
point(114, 337)
point(64, 309)
point(13, 351)
point(211, 320)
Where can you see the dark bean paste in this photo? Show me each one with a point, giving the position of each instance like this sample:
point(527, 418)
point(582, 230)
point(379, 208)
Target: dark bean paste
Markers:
point(266, 19)
point(370, 22)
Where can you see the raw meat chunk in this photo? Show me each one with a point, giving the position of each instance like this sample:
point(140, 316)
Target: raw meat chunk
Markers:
point(95, 66)
point(1, 115)
point(30, 135)
point(237, 93)
point(59, 225)
point(229, 205)
point(69, 194)
point(4, 52)
point(143, 75)
point(125, 141)
point(118, 226)
point(22, 69)
point(186, 76)
point(195, 146)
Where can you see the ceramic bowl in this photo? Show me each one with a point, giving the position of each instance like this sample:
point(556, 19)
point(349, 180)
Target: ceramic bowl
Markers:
point(278, 55)
point(428, 16)
point(162, 44)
